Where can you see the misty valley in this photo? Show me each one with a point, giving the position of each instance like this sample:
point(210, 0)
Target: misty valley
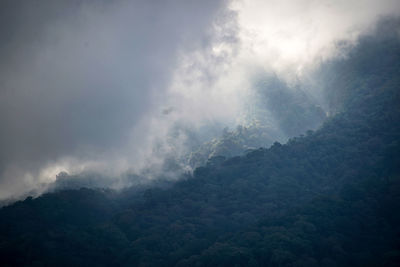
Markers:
point(308, 176)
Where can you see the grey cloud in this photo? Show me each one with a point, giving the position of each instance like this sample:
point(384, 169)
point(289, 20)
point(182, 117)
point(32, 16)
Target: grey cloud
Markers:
point(77, 76)
point(95, 85)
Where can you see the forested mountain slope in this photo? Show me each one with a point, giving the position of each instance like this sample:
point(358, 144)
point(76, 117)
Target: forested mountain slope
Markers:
point(276, 113)
point(330, 198)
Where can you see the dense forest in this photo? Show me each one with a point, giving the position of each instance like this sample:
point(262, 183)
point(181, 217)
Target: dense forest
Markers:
point(330, 197)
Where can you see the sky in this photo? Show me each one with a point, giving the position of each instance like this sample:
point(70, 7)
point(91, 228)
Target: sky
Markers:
point(120, 86)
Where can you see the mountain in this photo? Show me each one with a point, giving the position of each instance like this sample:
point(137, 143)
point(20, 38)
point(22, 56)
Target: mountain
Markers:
point(327, 198)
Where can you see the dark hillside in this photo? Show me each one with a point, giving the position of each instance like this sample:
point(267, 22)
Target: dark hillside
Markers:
point(329, 198)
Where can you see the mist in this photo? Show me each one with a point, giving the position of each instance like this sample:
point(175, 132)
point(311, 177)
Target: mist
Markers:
point(125, 89)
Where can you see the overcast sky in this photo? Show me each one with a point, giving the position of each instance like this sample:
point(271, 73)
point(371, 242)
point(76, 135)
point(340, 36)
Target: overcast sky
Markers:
point(98, 85)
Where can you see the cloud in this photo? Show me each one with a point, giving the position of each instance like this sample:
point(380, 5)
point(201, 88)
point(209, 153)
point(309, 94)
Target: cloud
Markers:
point(127, 86)
point(295, 35)
point(78, 76)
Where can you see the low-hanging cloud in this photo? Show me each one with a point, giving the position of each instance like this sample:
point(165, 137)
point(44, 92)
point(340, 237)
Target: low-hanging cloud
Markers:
point(77, 76)
point(122, 86)
point(295, 35)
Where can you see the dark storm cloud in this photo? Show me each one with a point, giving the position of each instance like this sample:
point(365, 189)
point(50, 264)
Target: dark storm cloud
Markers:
point(77, 76)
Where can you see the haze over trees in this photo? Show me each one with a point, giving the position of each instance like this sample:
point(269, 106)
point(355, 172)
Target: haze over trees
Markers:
point(329, 197)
